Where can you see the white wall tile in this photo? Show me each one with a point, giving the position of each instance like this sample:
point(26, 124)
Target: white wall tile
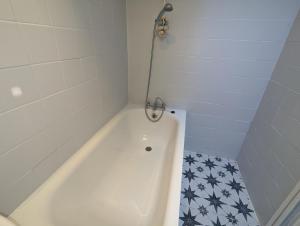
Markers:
point(20, 190)
point(242, 10)
point(270, 103)
point(62, 12)
point(6, 12)
point(55, 107)
point(272, 143)
point(199, 120)
point(40, 42)
point(295, 32)
point(49, 78)
point(17, 87)
point(68, 45)
point(13, 51)
point(84, 44)
point(90, 67)
point(292, 105)
point(32, 11)
point(82, 11)
point(226, 66)
point(229, 143)
point(291, 78)
point(287, 126)
point(208, 82)
point(27, 156)
point(73, 73)
point(21, 124)
point(232, 29)
point(226, 48)
point(281, 147)
point(290, 54)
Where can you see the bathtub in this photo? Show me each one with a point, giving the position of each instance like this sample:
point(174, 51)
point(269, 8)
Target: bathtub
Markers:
point(112, 180)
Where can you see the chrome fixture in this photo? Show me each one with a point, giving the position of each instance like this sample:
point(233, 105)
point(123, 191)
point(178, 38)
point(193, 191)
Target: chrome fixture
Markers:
point(161, 22)
point(167, 8)
point(160, 28)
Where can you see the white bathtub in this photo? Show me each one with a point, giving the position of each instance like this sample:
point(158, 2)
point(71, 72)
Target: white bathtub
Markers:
point(112, 180)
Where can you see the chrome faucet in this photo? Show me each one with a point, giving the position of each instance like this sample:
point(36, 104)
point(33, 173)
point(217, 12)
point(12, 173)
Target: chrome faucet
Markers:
point(158, 104)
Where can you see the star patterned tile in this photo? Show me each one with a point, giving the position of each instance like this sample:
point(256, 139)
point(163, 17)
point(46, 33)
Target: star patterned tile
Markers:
point(213, 193)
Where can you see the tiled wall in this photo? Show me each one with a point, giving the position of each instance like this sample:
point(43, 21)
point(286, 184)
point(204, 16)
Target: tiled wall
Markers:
point(63, 74)
point(270, 157)
point(216, 63)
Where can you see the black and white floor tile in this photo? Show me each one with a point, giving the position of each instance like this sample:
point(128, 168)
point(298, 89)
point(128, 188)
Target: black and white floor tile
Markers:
point(213, 193)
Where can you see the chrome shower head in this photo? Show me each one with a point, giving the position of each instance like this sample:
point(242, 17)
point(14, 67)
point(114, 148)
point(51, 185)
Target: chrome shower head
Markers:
point(168, 7)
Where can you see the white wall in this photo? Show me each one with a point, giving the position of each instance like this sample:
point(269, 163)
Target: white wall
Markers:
point(270, 157)
point(62, 54)
point(216, 63)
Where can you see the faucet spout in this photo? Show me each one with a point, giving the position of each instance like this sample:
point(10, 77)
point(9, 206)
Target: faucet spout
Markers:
point(158, 104)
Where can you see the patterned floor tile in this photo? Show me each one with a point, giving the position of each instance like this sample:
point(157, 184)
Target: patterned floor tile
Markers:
point(213, 193)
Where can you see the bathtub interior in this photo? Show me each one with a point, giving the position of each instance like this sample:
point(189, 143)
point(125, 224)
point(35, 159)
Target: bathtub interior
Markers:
point(119, 182)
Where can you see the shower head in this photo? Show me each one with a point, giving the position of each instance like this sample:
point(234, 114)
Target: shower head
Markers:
point(168, 7)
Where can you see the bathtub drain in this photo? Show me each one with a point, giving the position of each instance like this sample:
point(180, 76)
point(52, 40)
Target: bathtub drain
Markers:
point(148, 148)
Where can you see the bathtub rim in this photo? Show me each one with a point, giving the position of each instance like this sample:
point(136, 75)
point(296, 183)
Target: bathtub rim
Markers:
point(43, 194)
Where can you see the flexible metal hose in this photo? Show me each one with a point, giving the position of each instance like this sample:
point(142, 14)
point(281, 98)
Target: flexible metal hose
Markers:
point(147, 103)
